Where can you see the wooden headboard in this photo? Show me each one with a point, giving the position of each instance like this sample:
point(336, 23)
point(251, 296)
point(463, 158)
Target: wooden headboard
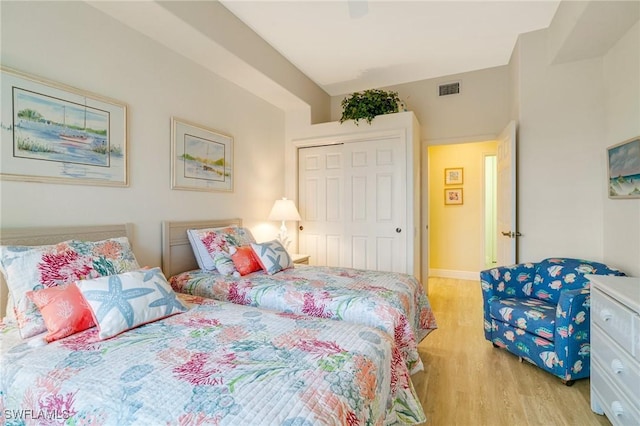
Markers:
point(51, 235)
point(177, 255)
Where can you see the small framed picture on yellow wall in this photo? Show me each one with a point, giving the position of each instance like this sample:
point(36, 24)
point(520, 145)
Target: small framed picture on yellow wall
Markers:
point(453, 176)
point(453, 196)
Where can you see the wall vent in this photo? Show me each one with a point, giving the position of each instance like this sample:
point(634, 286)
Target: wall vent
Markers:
point(449, 89)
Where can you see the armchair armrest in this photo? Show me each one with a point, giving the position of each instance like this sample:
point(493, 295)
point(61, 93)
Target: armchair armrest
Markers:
point(507, 281)
point(572, 339)
point(504, 282)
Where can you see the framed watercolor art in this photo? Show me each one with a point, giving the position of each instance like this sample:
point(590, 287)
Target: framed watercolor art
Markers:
point(453, 176)
point(201, 158)
point(453, 196)
point(623, 161)
point(56, 133)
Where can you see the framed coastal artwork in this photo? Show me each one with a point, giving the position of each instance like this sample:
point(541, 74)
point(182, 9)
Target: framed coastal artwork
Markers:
point(201, 158)
point(623, 162)
point(453, 176)
point(56, 133)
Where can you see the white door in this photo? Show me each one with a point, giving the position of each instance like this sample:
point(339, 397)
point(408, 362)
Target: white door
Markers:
point(352, 202)
point(321, 206)
point(506, 197)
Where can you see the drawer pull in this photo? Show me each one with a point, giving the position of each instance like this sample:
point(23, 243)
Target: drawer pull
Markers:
point(617, 408)
point(606, 315)
point(617, 366)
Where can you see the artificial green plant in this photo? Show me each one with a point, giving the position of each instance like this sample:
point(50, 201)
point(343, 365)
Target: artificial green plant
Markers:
point(368, 104)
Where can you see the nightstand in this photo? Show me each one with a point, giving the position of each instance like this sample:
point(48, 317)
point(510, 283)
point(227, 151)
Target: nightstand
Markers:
point(300, 259)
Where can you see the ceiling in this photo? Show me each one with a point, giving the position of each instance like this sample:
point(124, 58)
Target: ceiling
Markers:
point(391, 42)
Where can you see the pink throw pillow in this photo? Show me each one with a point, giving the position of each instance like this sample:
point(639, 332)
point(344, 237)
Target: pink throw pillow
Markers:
point(245, 260)
point(64, 310)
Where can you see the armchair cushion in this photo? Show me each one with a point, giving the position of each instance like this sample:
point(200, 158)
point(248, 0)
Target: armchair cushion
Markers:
point(532, 315)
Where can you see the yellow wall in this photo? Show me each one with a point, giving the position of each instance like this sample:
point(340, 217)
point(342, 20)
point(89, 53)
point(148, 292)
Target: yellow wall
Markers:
point(456, 232)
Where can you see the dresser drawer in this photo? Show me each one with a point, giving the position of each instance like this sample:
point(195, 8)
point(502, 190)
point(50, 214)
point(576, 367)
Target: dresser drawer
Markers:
point(614, 319)
point(616, 363)
point(618, 408)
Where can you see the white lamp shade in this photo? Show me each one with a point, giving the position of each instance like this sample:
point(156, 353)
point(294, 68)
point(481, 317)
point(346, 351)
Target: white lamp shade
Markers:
point(284, 210)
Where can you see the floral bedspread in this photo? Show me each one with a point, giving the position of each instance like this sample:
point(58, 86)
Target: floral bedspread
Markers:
point(217, 363)
point(392, 302)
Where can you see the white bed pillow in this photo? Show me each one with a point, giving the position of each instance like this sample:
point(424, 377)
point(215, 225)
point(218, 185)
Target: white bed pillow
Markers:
point(125, 301)
point(204, 260)
point(203, 257)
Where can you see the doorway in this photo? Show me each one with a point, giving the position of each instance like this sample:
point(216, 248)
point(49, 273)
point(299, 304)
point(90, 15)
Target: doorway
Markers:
point(458, 238)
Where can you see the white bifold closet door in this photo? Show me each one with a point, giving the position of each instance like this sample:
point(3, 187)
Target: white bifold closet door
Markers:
point(352, 199)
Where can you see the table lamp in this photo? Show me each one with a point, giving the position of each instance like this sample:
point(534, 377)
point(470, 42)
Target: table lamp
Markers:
point(284, 210)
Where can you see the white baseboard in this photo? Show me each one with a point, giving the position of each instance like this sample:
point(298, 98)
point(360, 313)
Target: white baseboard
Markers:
point(461, 275)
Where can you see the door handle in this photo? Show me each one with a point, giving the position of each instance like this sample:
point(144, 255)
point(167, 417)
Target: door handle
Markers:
point(511, 234)
point(398, 230)
point(301, 228)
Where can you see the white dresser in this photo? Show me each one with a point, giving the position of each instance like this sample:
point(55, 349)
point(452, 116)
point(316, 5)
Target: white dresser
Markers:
point(615, 348)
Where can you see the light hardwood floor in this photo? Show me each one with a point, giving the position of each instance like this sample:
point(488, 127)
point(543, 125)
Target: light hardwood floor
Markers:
point(467, 381)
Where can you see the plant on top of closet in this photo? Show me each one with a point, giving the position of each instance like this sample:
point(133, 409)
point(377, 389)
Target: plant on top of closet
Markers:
point(368, 104)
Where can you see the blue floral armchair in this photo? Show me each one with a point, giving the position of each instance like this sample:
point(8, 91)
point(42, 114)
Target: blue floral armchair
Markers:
point(540, 312)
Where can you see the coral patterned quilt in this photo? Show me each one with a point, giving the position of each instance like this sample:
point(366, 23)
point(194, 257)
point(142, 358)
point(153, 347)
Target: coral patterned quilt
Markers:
point(217, 363)
point(392, 302)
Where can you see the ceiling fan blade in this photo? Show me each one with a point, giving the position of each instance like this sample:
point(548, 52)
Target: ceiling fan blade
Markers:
point(358, 8)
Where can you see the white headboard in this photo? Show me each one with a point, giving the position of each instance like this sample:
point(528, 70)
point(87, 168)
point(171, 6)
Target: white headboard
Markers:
point(177, 255)
point(51, 235)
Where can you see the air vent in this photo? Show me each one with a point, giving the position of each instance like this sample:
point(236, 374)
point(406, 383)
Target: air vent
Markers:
point(449, 89)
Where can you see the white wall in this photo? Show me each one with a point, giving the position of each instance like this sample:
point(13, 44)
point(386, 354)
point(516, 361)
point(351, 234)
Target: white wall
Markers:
point(75, 44)
point(478, 113)
point(621, 66)
point(560, 169)
point(514, 85)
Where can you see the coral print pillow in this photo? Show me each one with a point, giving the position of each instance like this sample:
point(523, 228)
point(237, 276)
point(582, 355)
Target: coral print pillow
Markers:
point(217, 242)
point(125, 301)
point(245, 260)
point(272, 256)
point(34, 268)
point(64, 310)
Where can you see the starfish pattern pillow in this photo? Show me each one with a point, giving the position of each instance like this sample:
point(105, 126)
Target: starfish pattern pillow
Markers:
point(272, 255)
point(125, 301)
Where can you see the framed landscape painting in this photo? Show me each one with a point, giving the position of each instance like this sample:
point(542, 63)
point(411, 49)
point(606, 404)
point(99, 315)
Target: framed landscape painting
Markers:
point(623, 162)
point(201, 158)
point(51, 132)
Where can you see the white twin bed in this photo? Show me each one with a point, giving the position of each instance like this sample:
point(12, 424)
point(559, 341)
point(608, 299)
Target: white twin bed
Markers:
point(392, 302)
point(214, 363)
